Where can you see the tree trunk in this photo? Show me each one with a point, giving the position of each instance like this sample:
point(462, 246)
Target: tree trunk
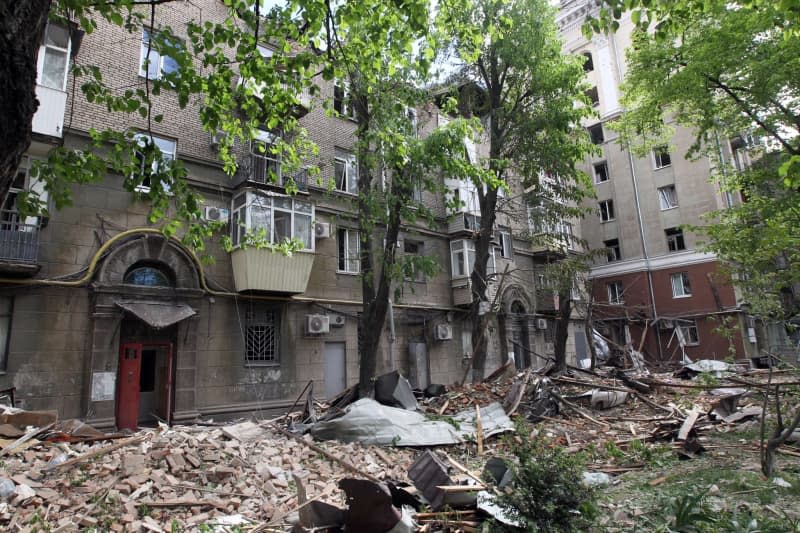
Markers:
point(22, 24)
point(562, 331)
point(588, 326)
point(479, 283)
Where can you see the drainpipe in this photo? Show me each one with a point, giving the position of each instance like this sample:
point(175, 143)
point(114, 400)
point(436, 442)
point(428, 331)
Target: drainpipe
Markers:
point(392, 337)
point(642, 237)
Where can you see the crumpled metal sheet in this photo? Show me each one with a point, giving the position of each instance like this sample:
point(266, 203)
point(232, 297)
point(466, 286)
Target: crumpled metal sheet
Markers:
point(606, 399)
point(370, 422)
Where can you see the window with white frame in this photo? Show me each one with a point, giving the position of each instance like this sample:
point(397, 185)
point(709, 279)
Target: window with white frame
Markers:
point(54, 58)
point(23, 181)
point(661, 157)
point(154, 154)
point(155, 64)
point(506, 243)
point(262, 335)
point(689, 331)
point(615, 292)
point(273, 218)
point(349, 255)
point(462, 258)
point(345, 170)
point(341, 100)
point(606, 210)
point(681, 288)
point(667, 198)
point(600, 172)
point(675, 240)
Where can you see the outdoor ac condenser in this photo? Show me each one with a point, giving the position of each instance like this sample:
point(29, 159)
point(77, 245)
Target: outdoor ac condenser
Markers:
point(317, 324)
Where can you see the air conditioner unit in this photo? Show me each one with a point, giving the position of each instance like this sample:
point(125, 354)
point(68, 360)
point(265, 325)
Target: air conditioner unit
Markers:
point(322, 230)
point(216, 214)
point(317, 324)
point(541, 323)
point(443, 332)
point(336, 321)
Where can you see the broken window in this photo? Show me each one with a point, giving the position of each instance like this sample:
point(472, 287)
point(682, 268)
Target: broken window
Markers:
point(613, 252)
point(675, 241)
point(614, 289)
point(606, 210)
point(345, 169)
point(341, 100)
point(661, 157)
point(681, 288)
point(349, 251)
point(596, 134)
point(601, 172)
point(261, 335)
point(506, 243)
point(593, 96)
point(667, 198)
point(689, 330)
point(588, 64)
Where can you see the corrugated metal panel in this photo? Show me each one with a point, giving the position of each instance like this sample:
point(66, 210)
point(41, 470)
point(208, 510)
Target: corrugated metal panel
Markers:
point(263, 270)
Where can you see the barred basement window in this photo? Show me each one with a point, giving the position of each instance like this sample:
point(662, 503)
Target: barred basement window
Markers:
point(261, 336)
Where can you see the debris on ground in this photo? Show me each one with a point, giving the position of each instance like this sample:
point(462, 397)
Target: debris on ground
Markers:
point(349, 463)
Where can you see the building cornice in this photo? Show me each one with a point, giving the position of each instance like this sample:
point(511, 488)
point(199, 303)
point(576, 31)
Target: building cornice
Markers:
point(630, 266)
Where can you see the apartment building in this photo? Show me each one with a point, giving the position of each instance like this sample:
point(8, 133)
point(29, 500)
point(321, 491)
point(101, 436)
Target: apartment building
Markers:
point(107, 320)
point(652, 288)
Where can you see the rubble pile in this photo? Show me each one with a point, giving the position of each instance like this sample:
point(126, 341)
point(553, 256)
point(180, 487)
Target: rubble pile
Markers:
point(409, 462)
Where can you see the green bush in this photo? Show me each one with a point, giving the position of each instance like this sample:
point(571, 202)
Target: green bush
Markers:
point(547, 494)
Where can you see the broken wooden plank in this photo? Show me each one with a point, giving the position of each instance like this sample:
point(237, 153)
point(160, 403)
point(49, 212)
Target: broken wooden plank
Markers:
point(688, 424)
point(25, 438)
point(460, 488)
point(183, 502)
point(94, 453)
point(478, 428)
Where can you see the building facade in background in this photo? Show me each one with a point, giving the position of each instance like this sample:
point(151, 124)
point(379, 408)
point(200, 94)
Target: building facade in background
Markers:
point(105, 319)
point(652, 288)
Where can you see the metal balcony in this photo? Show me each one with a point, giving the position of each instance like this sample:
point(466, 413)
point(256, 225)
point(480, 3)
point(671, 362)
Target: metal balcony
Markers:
point(19, 245)
point(268, 171)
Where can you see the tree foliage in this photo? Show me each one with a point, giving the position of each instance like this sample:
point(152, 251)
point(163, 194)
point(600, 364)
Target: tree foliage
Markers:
point(525, 91)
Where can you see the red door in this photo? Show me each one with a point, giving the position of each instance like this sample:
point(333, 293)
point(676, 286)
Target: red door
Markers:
point(128, 385)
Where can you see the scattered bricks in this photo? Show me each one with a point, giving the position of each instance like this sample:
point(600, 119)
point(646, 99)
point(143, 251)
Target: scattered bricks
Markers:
point(192, 460)
point(220, 473)
point(175, 462)
point(132, 464)
point(87, 521)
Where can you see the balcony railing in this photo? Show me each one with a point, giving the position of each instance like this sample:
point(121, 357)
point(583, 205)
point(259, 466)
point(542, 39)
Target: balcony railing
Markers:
point(19, 242)
point(267, 170)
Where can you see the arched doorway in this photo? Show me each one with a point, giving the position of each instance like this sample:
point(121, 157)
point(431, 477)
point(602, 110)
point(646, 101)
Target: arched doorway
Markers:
point(146, 293)
point(514, 326)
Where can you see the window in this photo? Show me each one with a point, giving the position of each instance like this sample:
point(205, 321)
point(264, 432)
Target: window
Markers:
point(593, 96)
point(667, 197)
point(148, 276)
point(154, 154)
point(606, 210)
point(675, 241)
point(596, 134)
point(413, 248)
point(345, 169)
point(341, 100)
point(462, 257)
point(349, 251)
point(271, 218)
point(600, 172)
point(661, 157)
point(506, 243)
point(680, 285)
point(411, 116)
point(615, 295)
point(688, 328)
point(613, 252)
point(54, 58)
point(588, 64)
point(155, 65)
point(24, 180)
point(262, 334)
point(6, 308)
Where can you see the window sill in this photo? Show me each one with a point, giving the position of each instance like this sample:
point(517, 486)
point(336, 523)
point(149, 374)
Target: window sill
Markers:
point(346, 273)
point(609, 220)
point(659, 168)
point(600, 182)
point(681, 296)
point(256, 364)
point(616, 303)
point(670, 208)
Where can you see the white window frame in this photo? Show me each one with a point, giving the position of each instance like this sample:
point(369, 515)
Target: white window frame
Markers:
point(9, 211)
point(667, 197)
point(348, 111)
point(242, 219)
point(168, 149)
point(687, 329)
point(606, 208)
point(506, 243)
point(50, 49)
point(660, 153)
point(615, 292)
point(596, 175)
point(466, 248)
point(345, 238)
point(350, 163)
point(154, 70)
point(681, 286)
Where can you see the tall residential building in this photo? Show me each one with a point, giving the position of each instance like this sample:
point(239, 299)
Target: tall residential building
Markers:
point(103, 318)
point(653, 287)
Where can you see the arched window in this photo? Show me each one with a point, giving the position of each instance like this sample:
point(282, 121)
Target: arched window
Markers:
point(517, 308)
point(148, 275)
point(588, 65)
